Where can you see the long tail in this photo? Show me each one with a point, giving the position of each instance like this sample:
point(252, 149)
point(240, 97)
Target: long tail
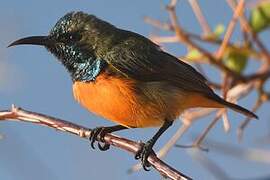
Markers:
point(234, 107)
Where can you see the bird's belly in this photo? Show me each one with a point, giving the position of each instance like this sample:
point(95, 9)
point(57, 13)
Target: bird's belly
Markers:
point(116, 100)
point(136, 105)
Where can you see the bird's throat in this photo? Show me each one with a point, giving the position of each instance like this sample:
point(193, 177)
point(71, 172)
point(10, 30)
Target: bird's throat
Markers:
point(87, 71)
point(81, 65)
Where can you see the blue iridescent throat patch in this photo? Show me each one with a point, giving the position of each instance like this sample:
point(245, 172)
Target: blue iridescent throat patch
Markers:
point(79, 60)
point(88, 71)
point(82, 65)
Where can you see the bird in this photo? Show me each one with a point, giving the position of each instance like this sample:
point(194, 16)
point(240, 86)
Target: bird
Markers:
point(124, 77)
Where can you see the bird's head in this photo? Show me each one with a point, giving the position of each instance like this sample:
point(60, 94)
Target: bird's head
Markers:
point(73, 40)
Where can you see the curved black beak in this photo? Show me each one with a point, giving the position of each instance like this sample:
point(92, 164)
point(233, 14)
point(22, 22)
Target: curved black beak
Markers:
point(34, 40)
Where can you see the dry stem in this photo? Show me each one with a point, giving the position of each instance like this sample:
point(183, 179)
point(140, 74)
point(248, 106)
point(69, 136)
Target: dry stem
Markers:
point(83, 132)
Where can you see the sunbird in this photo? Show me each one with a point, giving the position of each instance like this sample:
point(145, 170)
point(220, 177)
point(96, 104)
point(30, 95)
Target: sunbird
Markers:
point(124, 77)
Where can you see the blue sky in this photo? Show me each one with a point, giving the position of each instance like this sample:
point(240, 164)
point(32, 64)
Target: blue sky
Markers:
point(31, 78)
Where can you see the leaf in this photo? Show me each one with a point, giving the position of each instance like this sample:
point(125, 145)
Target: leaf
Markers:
point(236, 60)
point(193, 54)
point(260, 17)
point(219, 30)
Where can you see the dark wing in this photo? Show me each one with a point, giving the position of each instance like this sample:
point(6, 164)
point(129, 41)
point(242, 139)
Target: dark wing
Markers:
point(138, 58)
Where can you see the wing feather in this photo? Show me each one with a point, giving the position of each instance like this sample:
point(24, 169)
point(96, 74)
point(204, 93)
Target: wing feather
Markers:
point(138, 58)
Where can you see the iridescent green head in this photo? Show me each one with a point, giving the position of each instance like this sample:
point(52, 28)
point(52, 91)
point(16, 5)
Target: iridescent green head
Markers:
point(73, 40)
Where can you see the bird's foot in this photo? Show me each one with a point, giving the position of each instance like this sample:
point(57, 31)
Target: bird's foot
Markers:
point(99, 132)
point(143, 154)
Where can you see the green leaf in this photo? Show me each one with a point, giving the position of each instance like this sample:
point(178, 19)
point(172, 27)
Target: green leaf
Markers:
point(260, 17)
point(236, 60)
point(219, 30)
point(193, 54)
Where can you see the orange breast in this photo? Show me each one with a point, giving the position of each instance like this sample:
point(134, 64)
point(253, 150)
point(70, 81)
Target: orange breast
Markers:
point(149, 105)
point(115, 100)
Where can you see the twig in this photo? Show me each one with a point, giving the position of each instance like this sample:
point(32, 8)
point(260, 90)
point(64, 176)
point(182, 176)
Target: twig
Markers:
point(173, 3)
point(209, 164)
point(235, 93)
point(158, 24)
point(259, 75)
point(244, 124)
point(180, 33)
point(207, 39)
point(83, 132)
point(201, 19)
point(199, 140)
point(238, 11)
point(257, 155)
point(164, 39)
point(226, 122)
point(244, 23)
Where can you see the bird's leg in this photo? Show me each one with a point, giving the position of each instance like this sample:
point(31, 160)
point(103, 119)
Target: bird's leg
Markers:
point(146, 149)
point(101, 132)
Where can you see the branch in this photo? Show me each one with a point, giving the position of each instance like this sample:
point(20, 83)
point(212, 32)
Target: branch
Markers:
point(251, 154)
point(199, 15)
point(208, 164)
point(238, 11)
point(125, 144)
point(166, 148)
point(244, 23)
point(180, 33)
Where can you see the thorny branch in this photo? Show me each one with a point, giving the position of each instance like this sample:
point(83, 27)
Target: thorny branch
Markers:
point(83, 132)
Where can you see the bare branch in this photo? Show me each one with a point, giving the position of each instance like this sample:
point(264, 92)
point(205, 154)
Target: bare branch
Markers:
point(201, 19)
point(257, 155)
point(245, 25)
point(83, 132)
point(182, 37)
point(238, 11)
point(199, 140)
point(208, 164)
point(244, 124)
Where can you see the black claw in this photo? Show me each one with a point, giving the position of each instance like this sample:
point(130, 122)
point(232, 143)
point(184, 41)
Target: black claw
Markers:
point(138, 155)
point(94, 135)
point(147, 148)
point(103, 147)
point(98, 134)
point(146, 167)
point(144, 153)
point(101, 132)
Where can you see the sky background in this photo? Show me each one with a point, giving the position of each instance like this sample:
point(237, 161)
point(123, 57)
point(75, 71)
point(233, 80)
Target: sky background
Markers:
point(31, 77)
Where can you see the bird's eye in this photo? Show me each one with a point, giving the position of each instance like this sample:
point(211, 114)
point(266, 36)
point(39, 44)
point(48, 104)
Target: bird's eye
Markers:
point(69, 37)
point(73, 36)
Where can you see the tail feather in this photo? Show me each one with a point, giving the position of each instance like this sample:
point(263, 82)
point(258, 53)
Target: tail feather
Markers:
point(234, 107)
point(240, 109)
